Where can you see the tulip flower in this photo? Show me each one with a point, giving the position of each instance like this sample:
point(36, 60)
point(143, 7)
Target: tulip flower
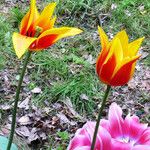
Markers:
point(37, 31)
point(116, 133)
point(116, 63)
point(83, 138)
point(128, 133)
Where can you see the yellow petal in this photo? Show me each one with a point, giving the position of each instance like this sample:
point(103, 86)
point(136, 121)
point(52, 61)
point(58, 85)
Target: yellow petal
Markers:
point(46, 14)
point(21, 43)
point(122, 35)
point(61, 32)
point(134, 46)
point(103, 38)
point(29, 18)
point(116, 50)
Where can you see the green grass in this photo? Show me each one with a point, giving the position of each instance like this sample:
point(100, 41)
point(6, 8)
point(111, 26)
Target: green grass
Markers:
point(52, 69)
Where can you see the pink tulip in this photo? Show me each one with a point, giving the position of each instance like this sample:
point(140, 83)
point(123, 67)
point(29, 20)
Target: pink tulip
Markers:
point(128, 133)
point(115, 133)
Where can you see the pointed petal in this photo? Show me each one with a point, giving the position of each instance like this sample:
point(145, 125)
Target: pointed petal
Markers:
point(79, 141)
point(24, 23)
point(49, 37)
point(133, 128)
point(122, 35)
point(134, 46)
point(48, 11)
point(21, 43)
point(116, 50)
point(104, 139)
point(115, 120)
point(105, 44)
point(145, 137)
point(46, 15)
point(66, 31)
point(103, 38)
point(29, 18)
point(124, 72)
point(107, 70)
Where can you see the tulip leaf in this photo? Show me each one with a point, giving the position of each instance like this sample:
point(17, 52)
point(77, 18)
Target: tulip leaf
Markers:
point(4, 142)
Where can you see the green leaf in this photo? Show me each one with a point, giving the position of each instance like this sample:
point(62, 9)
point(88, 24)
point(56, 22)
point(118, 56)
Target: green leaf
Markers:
point(4, 142)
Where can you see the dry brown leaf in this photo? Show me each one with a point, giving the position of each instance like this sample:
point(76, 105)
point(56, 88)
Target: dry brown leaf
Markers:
point(69, 105)
point(24, 104)
point(33, 135)
point(24, 120)
point(23, 131)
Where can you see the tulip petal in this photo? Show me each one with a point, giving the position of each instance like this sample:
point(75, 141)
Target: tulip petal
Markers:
point(47, 12)
point(134, 46)
point(21, 43)
point(103, 139)
point(123, 37)
point(115, 120)
point(145, 137)
point(124, 72)
point(103, 38)
point(105, 124)
point(79, 141)
point(116, 50)
point(107, 69)
point(105, 45)
point(29, 18)
point(133, 128)
point(49, 37)
point(44, 19)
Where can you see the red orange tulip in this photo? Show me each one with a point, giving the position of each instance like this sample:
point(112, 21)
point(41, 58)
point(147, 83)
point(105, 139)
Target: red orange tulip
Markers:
point(116, 63)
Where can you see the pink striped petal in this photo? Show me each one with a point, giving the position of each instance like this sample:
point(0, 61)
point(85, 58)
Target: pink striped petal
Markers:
point(133, 128)
point(116, 121)
point(145, 137)
point(103, 140)
point(79, 141)
point(105, 124)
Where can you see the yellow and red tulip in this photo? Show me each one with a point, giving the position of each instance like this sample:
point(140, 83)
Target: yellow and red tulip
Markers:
point(37, 31)
point(116, 63)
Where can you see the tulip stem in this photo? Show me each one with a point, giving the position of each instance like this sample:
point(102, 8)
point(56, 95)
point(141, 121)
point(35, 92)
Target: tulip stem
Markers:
point(13, 124)
point(100, 115)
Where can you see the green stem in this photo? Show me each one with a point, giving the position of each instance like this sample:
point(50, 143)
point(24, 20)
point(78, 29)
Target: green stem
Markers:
point(16, 100)
point(100, 115)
